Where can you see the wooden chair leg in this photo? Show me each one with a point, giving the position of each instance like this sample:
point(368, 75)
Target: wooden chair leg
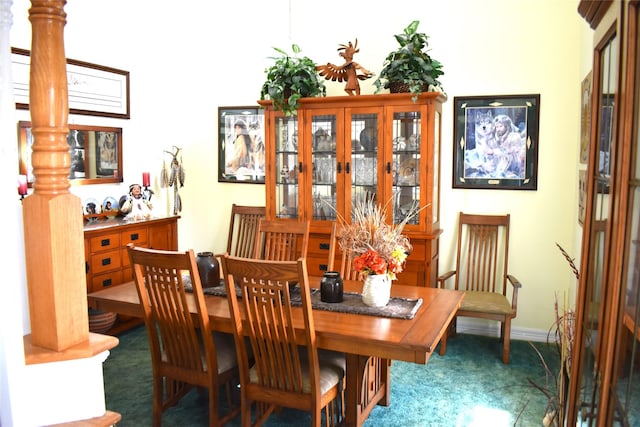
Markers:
point(506, 341)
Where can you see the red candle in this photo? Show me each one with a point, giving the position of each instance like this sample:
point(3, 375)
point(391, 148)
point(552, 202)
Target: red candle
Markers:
point(145, 179)
point(22, 185)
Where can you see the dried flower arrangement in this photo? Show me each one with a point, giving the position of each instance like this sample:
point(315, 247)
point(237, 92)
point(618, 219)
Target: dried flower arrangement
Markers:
point(381, 248)
point(562, 333)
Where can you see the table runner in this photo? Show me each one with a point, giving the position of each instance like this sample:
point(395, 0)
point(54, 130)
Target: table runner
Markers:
point(399, 308)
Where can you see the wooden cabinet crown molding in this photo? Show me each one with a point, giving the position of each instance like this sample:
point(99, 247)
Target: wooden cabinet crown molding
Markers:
point(593, 10)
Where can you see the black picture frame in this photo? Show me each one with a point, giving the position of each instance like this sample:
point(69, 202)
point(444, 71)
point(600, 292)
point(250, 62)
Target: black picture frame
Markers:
point(242, 166)
point(496, 142)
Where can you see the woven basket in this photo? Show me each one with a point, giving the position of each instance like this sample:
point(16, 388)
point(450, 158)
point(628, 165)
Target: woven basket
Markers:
point(399, 87)
point(101, 321)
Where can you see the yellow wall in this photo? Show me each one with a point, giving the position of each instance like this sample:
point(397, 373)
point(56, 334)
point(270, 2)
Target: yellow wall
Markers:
point(190, 57)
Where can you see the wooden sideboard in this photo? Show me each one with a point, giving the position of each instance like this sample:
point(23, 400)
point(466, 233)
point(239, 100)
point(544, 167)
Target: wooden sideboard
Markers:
point(106, 259)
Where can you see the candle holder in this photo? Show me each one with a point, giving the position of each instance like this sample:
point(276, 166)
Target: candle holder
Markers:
point(147, 193)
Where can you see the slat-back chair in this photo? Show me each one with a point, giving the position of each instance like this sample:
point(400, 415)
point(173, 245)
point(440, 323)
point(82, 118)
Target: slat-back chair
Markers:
point(242, 229)
point(184, 351)
point(289, 370)
point(347, 271)
point(281, 240)
point(482, 273)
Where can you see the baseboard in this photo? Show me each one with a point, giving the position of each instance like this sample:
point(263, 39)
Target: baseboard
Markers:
point(492, 329)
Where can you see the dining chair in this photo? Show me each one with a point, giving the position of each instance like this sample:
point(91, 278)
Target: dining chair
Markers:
point(281, 240)
point(289, 371)
point(481, 272)
point(185, 353)
point(345, 257)
point(242, 229)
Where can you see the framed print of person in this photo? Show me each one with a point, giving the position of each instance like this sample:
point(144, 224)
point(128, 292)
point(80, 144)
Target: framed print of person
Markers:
point(496, 142)
point(241, 144)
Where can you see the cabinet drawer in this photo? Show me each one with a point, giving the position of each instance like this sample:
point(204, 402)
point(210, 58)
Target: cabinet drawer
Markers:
point(137, 236)
point(316, 266)
point(126, 261)
point(105, 262)
point(102, 281)
point(104, 242)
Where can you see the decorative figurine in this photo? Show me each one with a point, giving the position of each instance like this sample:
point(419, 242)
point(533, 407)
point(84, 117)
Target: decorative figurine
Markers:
point(136, 206)
point(173, 177)
point(346, 72)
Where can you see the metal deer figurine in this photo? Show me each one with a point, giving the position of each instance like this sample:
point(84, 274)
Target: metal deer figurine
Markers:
point(173, 176)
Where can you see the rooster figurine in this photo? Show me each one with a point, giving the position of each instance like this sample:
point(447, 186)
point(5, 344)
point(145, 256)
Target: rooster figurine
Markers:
point(346, 72)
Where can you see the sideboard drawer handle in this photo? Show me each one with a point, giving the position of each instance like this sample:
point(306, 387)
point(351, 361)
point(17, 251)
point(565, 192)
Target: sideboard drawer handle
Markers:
point(105, 242)
point(106, 261)
point(323, 267)
point(106, 282)
point(135, 236)
point(324, 246)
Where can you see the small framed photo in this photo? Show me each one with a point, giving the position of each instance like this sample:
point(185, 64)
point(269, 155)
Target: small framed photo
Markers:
point(241, 144)
point(496, 142)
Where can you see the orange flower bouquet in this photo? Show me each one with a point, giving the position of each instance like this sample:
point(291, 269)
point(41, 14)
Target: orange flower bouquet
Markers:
point(380, 248)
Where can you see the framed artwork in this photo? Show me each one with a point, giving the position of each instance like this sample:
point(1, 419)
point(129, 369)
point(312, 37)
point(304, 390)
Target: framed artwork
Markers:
point(96, 154)
point(496, 142)
point(585, 118)
point(241, 144)
point(582, 194)
point(94, 90)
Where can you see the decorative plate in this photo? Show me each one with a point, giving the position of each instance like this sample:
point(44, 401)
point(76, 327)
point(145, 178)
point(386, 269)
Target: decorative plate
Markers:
point(91, 206)
point(110, 204)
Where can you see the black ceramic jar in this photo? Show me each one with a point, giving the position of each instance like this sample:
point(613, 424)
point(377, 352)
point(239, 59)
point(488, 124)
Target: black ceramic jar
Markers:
point(331, 288)
point(208, 269)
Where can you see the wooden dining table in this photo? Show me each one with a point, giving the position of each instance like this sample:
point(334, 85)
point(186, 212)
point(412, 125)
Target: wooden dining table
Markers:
point(369, 342)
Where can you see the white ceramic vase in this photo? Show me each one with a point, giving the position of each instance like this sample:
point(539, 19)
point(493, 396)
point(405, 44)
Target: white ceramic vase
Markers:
point(376, 290)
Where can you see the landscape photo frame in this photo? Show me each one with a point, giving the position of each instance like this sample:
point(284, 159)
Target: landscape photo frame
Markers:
point(496, 142)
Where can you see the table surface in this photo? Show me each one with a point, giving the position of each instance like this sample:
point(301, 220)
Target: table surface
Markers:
point(410, 340)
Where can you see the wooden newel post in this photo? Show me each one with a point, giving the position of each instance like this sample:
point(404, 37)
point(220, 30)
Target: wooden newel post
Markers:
point(53, 231)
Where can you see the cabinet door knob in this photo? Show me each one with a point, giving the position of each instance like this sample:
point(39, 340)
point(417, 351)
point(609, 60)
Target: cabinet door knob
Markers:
point(388, 167)
point(339, 168)
point(347, 168)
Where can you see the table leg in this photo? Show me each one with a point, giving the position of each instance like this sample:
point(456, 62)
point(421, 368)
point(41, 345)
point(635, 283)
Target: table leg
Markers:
point(368, 381)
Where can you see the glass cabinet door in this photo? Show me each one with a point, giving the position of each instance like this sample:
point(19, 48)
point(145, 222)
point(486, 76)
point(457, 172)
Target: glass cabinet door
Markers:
point(364, 156)
point(406, 164)
point(324, 167)
point(287, 164)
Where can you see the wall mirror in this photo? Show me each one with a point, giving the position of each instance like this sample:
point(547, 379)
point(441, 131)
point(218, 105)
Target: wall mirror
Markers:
point(96, 154)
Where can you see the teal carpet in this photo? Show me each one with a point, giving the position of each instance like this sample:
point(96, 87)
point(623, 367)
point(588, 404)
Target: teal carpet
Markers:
point(469, 386)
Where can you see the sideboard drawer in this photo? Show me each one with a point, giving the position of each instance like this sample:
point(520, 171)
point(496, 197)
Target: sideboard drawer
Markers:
point(101, 281)
point(105, 261)
point(136, 236)
point(104, 242)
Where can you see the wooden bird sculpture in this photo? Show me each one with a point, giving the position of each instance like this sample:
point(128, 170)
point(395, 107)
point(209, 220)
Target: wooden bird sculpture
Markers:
point(173, 176)
point(349, 71)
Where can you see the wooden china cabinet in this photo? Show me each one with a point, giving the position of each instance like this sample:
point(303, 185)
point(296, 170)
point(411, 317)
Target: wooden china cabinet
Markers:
point(605, 372)
point(342, 148)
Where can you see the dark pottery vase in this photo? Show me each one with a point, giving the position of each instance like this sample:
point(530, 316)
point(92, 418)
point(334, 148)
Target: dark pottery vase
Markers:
point(208, 269)
point(331, 287)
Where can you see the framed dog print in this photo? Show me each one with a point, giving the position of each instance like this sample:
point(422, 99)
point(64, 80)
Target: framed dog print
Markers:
point(241, 144)
point(496, 142)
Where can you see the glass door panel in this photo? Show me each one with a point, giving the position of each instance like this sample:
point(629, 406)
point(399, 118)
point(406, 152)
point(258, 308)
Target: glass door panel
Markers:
point(435, 195)
point(364, 156)
point(406, 164)
point(626, 385)
point(324, 167)
point(287, 188)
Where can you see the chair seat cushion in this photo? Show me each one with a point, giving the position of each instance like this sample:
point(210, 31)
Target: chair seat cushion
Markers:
point(332, 370)
point(486, 302)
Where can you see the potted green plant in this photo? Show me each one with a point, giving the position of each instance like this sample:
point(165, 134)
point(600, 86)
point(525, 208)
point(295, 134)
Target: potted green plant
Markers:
point(290, 78)
point(410, 68)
